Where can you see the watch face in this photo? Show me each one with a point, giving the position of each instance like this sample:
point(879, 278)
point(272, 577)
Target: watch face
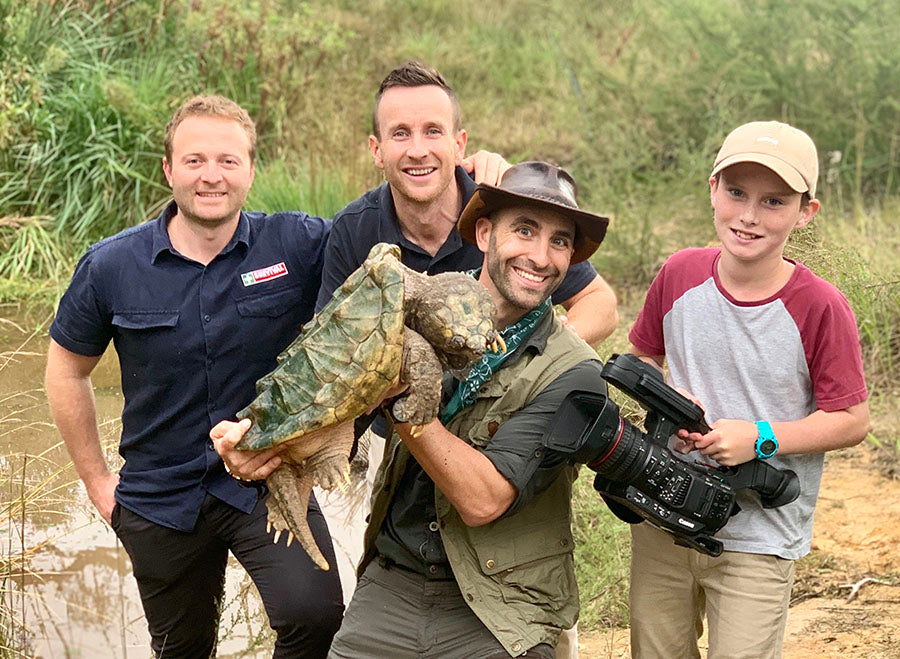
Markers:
point(767, 447)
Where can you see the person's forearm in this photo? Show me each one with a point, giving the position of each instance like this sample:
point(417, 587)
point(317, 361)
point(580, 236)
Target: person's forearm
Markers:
point(592, 313)
point(466, 476)
point(71, 399)
point(72, 406)
point(823, 431)
point(733, 441)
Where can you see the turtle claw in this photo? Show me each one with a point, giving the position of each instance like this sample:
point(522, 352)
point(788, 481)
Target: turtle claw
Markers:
point(415, 431)
point(290, 538)
point(277, 535)
point(268, 526)
point(498, 344)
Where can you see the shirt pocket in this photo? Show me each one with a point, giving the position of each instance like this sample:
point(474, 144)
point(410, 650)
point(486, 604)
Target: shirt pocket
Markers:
point(147, 343)
point(269, 321)
point(269, 304)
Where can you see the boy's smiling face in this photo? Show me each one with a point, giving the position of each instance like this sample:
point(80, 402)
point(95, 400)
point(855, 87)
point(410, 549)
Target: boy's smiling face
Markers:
point(755, 212)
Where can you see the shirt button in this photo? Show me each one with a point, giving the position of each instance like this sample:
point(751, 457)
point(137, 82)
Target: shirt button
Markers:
point(489, 563)
point(433, 526)
point(211, 446)
point(432, 569)
point(516, 647)
point(207, 318)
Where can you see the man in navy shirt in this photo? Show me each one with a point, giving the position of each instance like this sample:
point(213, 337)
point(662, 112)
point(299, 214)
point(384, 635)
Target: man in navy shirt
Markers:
point(418, 142)
point(198, 304)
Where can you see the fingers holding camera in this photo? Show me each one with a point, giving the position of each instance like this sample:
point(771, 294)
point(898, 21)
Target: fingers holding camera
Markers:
point(242, 465)
point(730, 442)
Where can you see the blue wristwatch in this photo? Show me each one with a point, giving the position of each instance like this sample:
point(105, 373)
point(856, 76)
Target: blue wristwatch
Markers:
point(766, 444)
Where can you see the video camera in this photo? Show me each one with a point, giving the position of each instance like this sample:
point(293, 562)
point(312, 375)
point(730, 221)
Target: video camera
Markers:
point(638, 476)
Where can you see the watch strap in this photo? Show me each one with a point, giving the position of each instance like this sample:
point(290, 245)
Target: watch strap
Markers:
point(765, 435)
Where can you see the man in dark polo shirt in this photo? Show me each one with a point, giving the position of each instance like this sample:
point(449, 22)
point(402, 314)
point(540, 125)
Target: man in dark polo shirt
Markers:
point(418, 142)
point(198, 304)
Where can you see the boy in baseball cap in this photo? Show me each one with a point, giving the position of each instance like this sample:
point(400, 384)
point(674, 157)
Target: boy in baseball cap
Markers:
point(771, 352)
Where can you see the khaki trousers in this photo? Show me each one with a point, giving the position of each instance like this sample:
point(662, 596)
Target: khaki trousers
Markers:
point(743, 596)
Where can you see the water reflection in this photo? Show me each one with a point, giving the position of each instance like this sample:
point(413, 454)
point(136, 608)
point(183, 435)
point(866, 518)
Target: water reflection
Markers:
point(65, 582)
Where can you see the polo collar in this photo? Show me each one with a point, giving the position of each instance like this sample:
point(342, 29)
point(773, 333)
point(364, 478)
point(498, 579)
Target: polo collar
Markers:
point(162, 243)
point(393, 234)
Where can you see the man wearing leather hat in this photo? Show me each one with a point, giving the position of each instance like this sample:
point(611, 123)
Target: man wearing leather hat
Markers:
point(468, 552)
point(539, 184)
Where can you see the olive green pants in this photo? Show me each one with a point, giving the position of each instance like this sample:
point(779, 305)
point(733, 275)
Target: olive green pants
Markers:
point(399, 614)
point(743, 596)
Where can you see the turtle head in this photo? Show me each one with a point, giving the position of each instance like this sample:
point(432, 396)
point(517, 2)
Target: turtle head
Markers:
point(455, 314)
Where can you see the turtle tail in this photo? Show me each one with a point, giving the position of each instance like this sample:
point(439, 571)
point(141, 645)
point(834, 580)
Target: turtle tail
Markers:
point(289, 490)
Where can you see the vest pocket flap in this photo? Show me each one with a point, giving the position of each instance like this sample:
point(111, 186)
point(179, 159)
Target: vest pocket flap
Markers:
point(507, 551)
point(499, 383)
point(270, 305)
point(145, 320)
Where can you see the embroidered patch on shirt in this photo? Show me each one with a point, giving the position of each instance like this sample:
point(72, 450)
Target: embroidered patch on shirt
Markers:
point(264, 274)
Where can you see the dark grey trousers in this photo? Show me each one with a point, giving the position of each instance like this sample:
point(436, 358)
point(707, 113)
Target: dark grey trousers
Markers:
point(181, 576)
point(399, 614)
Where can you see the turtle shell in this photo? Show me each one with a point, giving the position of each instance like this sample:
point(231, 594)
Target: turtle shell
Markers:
point(342, 363)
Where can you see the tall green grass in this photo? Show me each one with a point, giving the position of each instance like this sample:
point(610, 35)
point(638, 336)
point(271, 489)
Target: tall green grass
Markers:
point(281, 186)
point(633, 96)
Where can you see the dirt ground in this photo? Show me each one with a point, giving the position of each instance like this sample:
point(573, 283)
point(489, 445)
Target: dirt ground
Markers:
point(846, 597)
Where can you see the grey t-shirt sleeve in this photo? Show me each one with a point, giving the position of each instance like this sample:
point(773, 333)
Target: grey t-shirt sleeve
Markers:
point(517, 449)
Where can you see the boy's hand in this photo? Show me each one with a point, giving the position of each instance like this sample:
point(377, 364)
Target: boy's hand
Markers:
point(243, 465)
point(730, 442)
point(684, 442)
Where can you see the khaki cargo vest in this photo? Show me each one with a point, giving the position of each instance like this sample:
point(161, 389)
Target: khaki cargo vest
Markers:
point(516, 573)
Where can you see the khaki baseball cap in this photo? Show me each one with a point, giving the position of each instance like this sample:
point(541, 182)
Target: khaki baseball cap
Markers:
point(787, 151)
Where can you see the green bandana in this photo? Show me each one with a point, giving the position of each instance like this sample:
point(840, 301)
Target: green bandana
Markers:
point(514, 335)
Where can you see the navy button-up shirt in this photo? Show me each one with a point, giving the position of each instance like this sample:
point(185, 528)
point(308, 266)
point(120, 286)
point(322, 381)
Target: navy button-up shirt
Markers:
point(192, 340)
point(372, 219)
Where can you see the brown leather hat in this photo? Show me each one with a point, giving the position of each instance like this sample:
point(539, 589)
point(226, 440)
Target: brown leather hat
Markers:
point(540, 184)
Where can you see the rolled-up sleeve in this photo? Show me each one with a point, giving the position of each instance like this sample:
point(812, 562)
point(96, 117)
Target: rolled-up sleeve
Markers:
point(517, 449)
point(81, 324)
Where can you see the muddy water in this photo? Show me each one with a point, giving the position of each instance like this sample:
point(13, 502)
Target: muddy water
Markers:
point(77, 597)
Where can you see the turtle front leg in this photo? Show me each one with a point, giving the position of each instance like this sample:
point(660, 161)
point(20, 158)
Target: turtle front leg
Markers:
point(421, 370)
point(289, 489)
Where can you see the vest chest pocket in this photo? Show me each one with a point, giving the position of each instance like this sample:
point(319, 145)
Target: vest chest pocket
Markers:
point(499, 398)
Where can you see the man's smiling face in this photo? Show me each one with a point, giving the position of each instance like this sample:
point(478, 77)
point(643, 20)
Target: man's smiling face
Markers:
point(418, 146)
point(211, 170)
point(528, 251)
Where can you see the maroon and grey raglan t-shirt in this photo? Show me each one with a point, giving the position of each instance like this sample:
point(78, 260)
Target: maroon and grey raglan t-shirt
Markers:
point(777, 359)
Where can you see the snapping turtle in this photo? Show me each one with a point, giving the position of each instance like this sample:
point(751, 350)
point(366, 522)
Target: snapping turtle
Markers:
point(386, 325)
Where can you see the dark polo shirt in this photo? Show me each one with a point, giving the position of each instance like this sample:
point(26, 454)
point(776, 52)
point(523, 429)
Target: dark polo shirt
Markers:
point(192, 340)
point(372, 219)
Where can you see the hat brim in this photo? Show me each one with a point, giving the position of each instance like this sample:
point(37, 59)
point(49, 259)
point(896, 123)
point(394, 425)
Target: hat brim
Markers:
point(786, 172)
point(487, 199)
